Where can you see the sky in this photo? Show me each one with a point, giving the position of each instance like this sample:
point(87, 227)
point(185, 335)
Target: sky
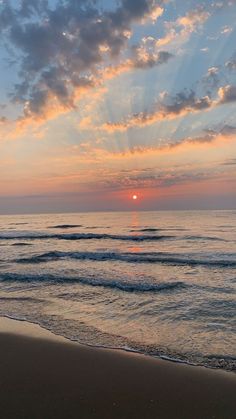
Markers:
point(101, 100)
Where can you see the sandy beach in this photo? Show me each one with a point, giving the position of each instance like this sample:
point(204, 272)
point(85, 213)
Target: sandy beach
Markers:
point(45, 376)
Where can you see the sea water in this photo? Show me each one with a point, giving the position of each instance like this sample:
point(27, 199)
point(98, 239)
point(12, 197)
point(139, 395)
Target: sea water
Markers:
point(160, 283)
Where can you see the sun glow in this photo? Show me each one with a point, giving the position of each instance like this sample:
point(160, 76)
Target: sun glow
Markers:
point(135, 197)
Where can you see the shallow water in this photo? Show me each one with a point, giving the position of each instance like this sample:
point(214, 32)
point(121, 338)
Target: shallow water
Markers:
point(162, 283)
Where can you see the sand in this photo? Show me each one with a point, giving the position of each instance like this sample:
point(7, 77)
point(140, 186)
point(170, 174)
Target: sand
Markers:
point(43, 376)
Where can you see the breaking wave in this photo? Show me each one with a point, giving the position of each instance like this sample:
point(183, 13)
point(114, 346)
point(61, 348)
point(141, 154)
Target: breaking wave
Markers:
point(152, 257)
point(79, 236)
point(135, 236)
point(116, 284)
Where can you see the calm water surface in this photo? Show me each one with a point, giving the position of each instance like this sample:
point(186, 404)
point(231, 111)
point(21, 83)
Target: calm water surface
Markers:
point(161, 283)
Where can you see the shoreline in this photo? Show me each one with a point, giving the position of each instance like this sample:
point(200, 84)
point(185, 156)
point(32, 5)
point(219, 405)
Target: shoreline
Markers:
point(43, 375)
point(53, 335)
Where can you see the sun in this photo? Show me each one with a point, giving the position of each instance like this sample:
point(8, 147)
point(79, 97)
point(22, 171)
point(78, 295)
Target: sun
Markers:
point(135, 197)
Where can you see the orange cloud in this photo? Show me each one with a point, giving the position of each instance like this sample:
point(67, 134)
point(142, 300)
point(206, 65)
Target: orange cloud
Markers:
point(182, 104)
point(179, 32)
point(164, 112)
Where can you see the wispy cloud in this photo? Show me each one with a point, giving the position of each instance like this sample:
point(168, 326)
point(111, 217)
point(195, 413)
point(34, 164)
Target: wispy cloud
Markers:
point(208, 137)
point(178, 32)
point(171, 107)
point(212, 79)
point(231, 64)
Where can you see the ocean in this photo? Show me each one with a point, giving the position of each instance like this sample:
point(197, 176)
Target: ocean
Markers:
point(158, 283)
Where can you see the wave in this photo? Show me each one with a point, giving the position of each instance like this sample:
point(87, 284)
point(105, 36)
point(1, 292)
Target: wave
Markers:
point(34, 235)
point(152, 257)
point(188, 237)
point(21, 244)
point(154, 229)
point(148, 230)
point(80, 236)
point(224, 362)
point(20, 299)
point(209, 238)
point(114, 284)
point(67, 226)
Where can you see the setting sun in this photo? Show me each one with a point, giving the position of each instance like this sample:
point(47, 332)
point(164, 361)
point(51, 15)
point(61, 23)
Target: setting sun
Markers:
point(135, 197)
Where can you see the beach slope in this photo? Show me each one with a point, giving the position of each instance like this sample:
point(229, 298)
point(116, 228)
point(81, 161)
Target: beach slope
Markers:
point(44, 377)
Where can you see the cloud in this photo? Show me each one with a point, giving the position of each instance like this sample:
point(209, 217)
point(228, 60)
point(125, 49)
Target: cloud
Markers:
point(219, 136)
point(208, 136)
point(163, 177)
point(226, 30)
point(171, 107)
point(231, 64)
point(226, 130)
point(205, 50)
point(223, 4)
point(156, 13)
point(227, 94)
point(229, 162)
point(142, 58)
point(193, 18)
point(3, 120)
point(179, 31)
point(212, 79)
point(167, 108)
point(60, 49)
point(148, 179)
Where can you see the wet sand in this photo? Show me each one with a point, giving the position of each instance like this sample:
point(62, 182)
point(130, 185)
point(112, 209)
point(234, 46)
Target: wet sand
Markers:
point(43, 376)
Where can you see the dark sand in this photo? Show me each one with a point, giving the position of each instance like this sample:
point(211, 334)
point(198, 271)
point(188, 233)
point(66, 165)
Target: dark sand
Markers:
point(42, 378)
